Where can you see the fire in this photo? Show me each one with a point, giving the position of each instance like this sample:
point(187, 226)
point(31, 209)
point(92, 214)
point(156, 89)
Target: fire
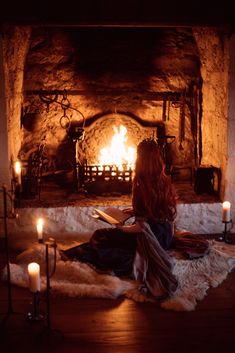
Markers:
point(117, 153)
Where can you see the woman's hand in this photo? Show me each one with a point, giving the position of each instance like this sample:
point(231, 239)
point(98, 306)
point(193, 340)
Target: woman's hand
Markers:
point(129, 211)
point(134, 228)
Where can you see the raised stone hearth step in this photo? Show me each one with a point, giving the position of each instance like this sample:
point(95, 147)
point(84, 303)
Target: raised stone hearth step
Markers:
point(77, 223)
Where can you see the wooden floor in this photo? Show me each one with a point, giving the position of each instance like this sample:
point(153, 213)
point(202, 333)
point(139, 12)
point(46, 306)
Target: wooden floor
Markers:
point(119, 326)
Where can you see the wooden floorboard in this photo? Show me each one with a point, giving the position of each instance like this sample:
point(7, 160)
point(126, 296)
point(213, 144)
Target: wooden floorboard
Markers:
point(120, 326)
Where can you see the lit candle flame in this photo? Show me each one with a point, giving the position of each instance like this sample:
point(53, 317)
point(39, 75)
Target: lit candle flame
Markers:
point(18, 171)
point(17, 167)
point(40, 223)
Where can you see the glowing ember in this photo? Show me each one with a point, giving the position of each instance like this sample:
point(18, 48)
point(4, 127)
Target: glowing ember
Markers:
point(118, 153)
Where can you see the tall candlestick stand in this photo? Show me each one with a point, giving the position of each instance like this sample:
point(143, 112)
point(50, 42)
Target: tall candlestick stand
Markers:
point(224, 236)
point(48, 287)
point(225, 233)
point(10, 305)
point(6, 195)
point(50, 243)
point(48, 333)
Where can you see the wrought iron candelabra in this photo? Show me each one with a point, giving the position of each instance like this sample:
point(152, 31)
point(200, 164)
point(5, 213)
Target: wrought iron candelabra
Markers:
point(35, 314)
point(48, 333)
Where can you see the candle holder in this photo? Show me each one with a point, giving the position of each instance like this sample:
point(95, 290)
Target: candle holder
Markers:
point(35, 315)
point(16, 191)
point(51, 243)
point(224, 235)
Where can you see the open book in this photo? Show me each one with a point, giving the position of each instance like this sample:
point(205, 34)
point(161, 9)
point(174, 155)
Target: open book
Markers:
point(111, 215)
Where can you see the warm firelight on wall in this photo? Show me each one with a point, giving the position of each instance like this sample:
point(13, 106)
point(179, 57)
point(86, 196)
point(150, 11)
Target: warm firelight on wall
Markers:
point(118, 153)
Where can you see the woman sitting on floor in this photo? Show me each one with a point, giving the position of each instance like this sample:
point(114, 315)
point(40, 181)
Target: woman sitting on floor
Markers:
point(139, 250)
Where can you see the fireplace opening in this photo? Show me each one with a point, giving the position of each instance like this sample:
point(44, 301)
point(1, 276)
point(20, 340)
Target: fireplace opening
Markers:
point(104, 166)
point(113, 171)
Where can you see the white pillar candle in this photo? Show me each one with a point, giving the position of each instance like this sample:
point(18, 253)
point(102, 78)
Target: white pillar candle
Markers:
point(226, 211)
point(18, 171)
point(34, 277)
point(40, 229)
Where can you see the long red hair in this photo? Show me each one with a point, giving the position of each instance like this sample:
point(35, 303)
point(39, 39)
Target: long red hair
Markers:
point(153, 195)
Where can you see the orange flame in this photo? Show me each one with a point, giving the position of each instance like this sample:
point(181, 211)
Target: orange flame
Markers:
point(117, 153)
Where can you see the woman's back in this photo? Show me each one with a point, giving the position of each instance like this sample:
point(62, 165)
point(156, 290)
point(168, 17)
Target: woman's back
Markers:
point(153, 195)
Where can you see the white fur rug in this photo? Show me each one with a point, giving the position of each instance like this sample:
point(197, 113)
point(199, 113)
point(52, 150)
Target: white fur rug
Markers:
point(75, 279)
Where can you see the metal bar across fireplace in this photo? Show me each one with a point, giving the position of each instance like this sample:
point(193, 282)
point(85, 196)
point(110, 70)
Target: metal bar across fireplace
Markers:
point(107, 173)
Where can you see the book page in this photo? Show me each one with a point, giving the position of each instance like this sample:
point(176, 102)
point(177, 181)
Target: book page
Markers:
point(113, 215)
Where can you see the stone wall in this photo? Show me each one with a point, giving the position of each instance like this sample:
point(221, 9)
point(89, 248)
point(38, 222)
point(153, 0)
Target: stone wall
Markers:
point(213, 47)
point(15, 47)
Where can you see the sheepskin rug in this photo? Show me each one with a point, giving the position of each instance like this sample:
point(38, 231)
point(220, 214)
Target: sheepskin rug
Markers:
point(76, 279)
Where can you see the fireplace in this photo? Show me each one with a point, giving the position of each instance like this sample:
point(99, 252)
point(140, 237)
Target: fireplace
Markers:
point(109, 77)
point(167, 83)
